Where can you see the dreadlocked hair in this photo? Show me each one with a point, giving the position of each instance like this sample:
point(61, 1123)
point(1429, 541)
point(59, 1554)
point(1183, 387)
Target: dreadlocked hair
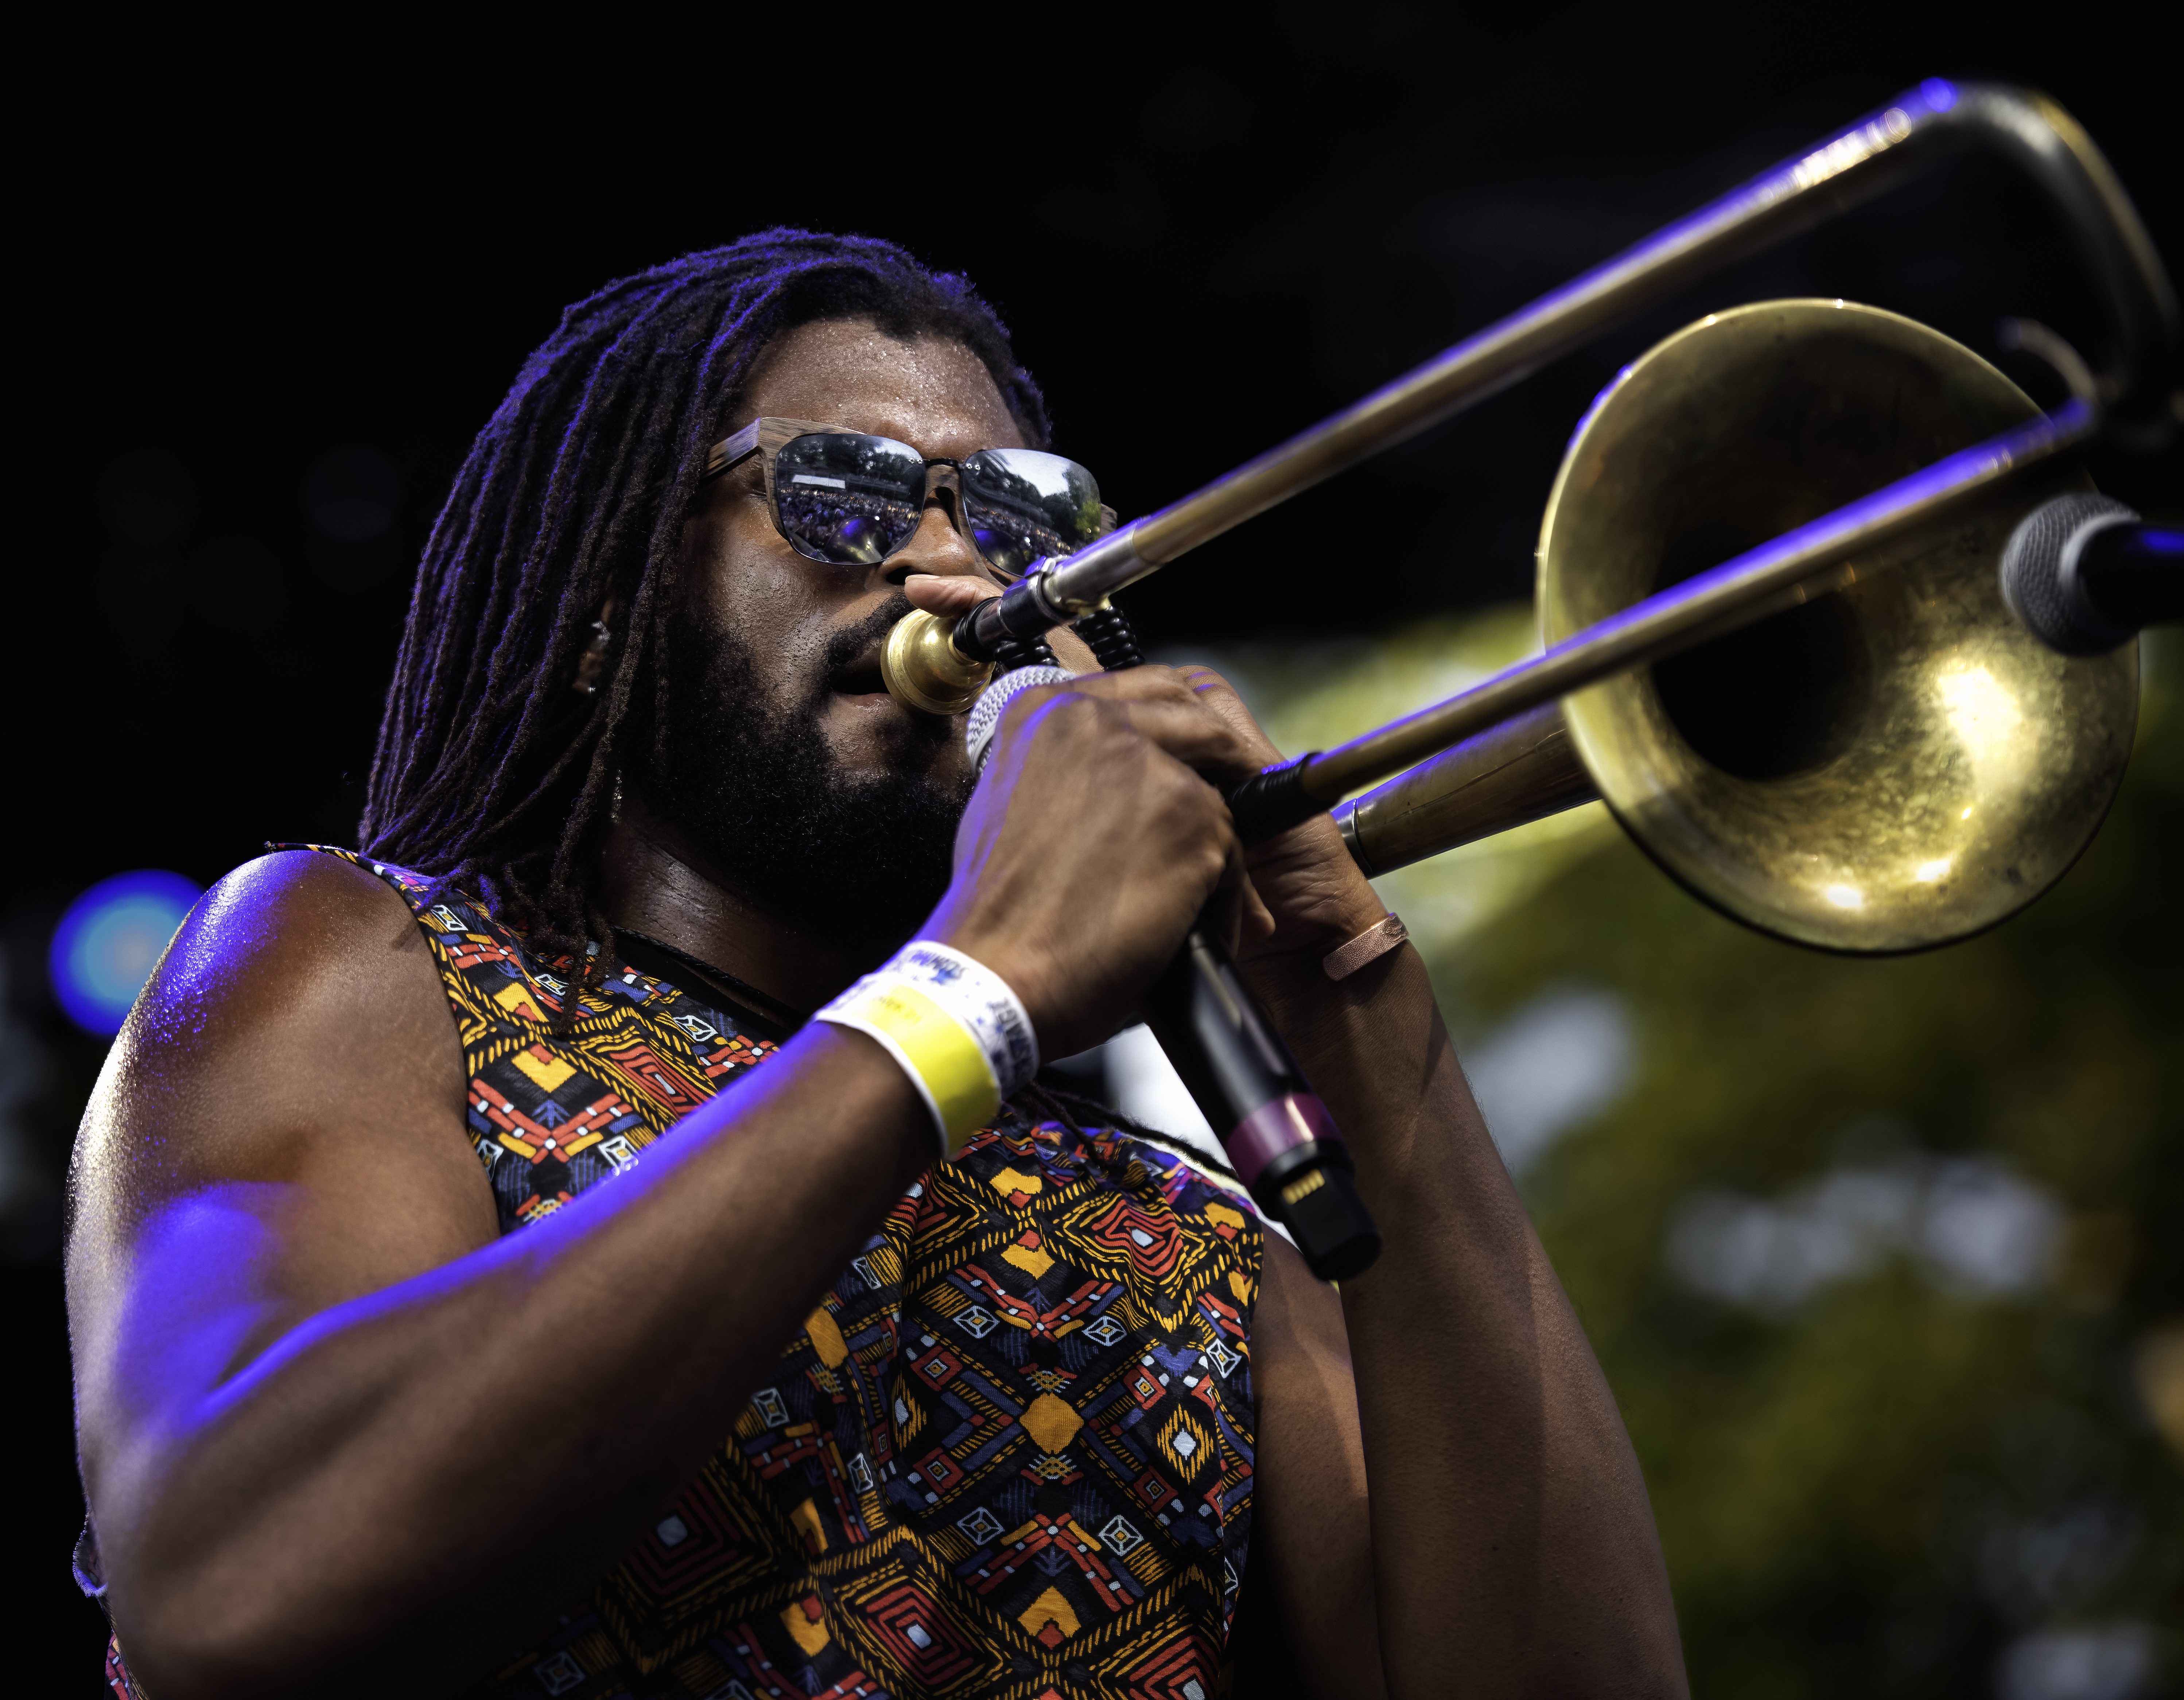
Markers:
point(491, 772)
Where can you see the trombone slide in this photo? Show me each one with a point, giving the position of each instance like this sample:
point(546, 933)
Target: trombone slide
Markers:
point(1521, 771)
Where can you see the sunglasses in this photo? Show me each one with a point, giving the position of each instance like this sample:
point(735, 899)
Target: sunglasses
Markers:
point(853, 500)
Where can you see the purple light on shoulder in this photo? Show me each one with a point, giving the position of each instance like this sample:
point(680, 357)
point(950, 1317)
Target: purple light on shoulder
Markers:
point(1941, 94)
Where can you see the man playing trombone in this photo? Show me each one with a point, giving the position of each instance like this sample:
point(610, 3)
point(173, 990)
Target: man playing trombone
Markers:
point(513, 1353)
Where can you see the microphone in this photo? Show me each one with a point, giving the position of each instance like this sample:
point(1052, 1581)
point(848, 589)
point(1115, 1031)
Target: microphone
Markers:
point(2083, 574)
point(986, 713)
point(1284, 1145)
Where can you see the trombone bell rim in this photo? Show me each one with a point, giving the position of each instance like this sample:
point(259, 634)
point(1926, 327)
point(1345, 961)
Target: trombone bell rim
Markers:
point(1932, 767)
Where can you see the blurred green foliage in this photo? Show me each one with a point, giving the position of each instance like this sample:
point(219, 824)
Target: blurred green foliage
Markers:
point(1886, 1484)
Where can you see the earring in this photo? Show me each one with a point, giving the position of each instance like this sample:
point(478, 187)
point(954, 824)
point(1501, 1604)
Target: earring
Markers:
point(593, 662)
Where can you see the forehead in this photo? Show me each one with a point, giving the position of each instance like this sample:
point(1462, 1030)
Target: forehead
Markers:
point(931, 392)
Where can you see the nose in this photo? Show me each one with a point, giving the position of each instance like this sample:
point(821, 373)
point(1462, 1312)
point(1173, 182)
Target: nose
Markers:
point(938, 545)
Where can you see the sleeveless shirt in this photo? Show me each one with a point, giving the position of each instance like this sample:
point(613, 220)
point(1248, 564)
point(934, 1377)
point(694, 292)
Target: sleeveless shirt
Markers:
point(1009, 1453)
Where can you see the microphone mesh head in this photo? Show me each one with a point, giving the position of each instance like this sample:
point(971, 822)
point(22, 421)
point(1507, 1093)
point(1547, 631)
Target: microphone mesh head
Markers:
point(986, 713)
point(2040, 573)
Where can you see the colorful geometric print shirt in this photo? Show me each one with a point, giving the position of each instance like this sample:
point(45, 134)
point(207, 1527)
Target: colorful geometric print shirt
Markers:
point(1009, 1453)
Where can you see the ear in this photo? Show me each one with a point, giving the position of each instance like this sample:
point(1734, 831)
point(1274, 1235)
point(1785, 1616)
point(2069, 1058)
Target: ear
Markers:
point(593, 661)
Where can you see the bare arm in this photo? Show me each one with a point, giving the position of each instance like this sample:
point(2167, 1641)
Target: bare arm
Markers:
point(1510, 1531)
point(1482, 1478)
point(320, 1397)
point(322, 1404)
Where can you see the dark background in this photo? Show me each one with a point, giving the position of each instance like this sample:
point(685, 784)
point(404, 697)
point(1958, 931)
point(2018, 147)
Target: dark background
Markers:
point(243, 252)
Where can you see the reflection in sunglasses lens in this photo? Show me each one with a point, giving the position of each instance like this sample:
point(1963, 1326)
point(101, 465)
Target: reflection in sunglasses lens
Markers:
point(852, 500)
point(1021, 503)
point(846, 498)
point(1008, 542)
point(848, 531)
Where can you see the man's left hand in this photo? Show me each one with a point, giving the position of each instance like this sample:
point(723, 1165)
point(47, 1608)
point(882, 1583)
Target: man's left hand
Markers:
point(1315, 893)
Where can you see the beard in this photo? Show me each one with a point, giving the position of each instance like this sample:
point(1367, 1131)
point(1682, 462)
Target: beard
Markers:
point(855, 859)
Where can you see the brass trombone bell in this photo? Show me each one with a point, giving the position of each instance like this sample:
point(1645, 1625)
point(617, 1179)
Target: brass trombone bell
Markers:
point(1891, 763)
point(1884, 761)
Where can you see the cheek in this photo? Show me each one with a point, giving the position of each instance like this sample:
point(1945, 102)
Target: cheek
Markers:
point(774, 609)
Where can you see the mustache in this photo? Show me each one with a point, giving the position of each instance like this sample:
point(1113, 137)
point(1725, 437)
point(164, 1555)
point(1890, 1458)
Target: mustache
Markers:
point(847, 644)
point(852, 641)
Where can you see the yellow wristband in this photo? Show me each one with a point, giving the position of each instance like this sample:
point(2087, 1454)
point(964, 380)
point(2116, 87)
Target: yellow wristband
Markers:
point(953, 1026)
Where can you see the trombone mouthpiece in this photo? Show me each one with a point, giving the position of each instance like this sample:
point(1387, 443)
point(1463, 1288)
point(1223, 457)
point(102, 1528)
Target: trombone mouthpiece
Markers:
point(923, 668)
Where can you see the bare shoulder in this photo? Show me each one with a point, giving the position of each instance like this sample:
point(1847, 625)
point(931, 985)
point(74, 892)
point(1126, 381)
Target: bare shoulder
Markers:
point(276, 932)
point(293, 1048)
point(295, 966)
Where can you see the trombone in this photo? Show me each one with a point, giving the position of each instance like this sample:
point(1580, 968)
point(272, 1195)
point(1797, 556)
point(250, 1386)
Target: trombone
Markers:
point(1775, 643)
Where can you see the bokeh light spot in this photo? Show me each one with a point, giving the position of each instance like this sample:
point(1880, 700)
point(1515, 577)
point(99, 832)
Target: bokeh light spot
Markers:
point(109, 941)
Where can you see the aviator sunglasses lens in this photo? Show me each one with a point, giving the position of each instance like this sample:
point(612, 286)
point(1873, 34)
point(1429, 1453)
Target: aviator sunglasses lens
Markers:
point(1020, 504)
point(847, 498)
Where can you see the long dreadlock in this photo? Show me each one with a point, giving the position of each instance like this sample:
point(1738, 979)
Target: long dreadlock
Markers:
point(491, 772)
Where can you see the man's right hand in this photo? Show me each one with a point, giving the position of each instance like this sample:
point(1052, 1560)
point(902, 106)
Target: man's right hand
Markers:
point(1096, 837)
